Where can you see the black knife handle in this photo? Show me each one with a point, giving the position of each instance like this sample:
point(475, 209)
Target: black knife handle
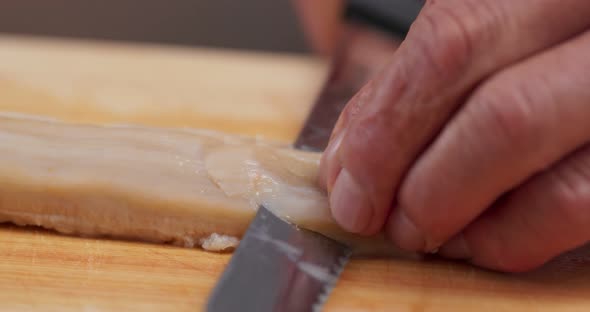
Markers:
point(393, 16)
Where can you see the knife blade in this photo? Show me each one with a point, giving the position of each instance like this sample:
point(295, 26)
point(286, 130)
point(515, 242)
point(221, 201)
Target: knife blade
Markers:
point(278, 266)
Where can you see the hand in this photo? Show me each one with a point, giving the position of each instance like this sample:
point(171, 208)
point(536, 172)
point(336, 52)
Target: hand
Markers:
point(474, 140)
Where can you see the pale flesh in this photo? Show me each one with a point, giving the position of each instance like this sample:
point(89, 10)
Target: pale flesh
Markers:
point(187, 187)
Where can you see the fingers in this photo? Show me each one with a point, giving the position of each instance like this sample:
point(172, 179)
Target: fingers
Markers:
point(451, 47)
point(548, 216)
point(320, 21)
point(519, 122)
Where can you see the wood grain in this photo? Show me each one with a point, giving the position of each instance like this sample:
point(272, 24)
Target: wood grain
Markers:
point(105, 83)
point(42, 271)
point(259, 94)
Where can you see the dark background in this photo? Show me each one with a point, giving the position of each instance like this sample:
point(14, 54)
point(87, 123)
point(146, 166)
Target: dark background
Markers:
point(268, 25)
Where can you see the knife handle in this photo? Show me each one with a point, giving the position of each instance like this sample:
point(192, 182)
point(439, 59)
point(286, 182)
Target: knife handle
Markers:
point(392, 16)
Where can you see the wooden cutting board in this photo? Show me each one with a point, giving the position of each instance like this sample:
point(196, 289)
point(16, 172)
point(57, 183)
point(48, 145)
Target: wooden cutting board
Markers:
point(233, 91)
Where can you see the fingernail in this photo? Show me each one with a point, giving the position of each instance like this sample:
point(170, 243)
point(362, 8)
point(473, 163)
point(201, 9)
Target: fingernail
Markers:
point(350, 205)
point(330, 164)
point(404, 233)
point(456, 248)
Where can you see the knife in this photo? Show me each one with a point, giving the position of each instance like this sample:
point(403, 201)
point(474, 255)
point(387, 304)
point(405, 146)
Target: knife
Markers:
point(278, 266)
point(372, 31)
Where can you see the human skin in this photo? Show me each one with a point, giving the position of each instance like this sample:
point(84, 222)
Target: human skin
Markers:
point(473, 141)
point(320, 21)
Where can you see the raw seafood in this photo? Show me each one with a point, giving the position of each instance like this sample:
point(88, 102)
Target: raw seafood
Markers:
point(182, 186)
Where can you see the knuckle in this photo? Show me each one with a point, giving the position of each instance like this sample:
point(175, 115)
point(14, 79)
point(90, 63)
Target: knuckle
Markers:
point(573, 191)
point(449, 34)
point(507, 116)
point(444, 41)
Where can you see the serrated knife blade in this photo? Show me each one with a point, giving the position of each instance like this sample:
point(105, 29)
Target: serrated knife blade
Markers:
point(279, 267)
